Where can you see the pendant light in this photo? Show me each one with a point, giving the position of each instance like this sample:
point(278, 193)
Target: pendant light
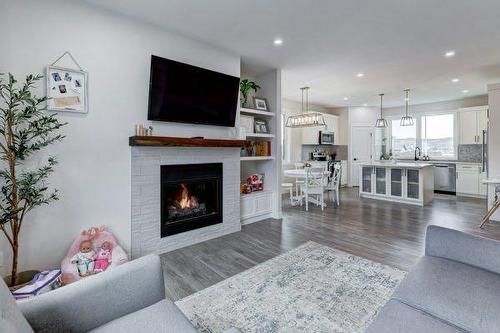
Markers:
point(305, 119)
point(381, 122)
point(407, 120)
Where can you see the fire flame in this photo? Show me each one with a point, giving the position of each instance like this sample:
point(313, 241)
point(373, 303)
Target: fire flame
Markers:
point(186, 200)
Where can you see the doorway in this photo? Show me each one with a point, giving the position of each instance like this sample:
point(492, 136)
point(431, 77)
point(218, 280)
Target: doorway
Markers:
point(361, 150)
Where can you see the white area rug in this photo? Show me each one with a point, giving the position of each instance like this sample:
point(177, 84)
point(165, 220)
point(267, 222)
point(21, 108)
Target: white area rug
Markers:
point(312, 288)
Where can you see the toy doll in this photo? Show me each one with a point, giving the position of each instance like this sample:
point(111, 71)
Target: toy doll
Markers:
point(84, 259)
point(103, 257)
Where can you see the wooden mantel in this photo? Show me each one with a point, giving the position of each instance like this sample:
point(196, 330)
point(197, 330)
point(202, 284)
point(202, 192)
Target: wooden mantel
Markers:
point(166, 141)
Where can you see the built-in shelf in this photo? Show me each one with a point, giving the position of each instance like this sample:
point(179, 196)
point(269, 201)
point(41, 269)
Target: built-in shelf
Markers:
point(257, 158)
point(256, 193)
point(256, 112)
point(260, 135)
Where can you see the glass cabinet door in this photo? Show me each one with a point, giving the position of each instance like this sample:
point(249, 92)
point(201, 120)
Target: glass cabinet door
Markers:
point(412, 184)
point(397, 182)
point(380, 181)
point(366, 179)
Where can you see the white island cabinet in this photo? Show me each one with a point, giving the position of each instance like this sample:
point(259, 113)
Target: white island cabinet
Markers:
point(408, 182)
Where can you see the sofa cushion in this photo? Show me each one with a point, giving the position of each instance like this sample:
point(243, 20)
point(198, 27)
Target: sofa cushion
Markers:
point(163, 317)
point(396, 317)
point(465, 296)
point(11, 318)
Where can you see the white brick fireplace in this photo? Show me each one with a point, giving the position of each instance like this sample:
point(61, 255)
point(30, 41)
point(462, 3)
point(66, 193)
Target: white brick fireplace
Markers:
point(145, 192)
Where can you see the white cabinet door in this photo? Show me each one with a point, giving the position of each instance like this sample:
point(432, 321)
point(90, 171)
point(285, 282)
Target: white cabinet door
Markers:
point(468, 127)
point(468, 182)
point(482, 123)
point(332, 125)
point(310, 135)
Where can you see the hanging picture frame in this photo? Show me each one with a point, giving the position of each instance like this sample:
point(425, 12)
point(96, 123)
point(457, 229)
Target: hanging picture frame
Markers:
point(67, 88)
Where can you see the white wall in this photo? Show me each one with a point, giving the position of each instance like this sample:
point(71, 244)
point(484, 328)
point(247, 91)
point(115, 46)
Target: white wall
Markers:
point(94, 171)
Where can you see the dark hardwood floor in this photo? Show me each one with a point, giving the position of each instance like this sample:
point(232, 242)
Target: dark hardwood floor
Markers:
point(385, 232)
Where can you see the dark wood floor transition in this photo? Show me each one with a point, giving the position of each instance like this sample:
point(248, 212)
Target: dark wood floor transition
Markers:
point(385, 232)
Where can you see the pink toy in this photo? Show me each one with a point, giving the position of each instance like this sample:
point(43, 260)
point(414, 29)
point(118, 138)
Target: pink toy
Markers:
point(97, 235)
point(103, 257)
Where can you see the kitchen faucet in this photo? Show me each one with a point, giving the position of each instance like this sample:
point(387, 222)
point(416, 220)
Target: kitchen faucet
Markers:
point(419, 153)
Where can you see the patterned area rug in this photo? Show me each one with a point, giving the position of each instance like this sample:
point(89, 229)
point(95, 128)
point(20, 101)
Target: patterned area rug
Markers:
point(312, 288)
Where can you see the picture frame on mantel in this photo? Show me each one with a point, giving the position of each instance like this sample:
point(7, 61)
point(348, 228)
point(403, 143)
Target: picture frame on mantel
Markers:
point(67, 89)
point(260, 103)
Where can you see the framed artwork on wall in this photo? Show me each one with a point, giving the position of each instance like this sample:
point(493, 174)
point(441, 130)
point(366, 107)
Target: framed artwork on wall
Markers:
point(67, 89)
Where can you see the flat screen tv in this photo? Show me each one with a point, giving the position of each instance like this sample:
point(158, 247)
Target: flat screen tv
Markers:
point(183, 93)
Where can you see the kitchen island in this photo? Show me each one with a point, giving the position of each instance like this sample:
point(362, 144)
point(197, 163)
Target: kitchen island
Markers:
point(407, 182)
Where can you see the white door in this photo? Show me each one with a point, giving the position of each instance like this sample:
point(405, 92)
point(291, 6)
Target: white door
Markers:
point(468, 127)
point(362, 147)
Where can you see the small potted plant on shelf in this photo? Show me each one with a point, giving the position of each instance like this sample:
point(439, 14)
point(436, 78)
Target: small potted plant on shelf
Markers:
point(245, 87)
point(25, 128)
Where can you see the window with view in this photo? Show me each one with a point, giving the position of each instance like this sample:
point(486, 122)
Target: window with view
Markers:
point(404, 139)
point(438, 136)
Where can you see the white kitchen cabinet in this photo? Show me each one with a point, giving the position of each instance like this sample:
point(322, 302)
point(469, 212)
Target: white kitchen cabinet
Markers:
point(310, 135)
point(469, 180)
point(255, 205)
point(472, 122)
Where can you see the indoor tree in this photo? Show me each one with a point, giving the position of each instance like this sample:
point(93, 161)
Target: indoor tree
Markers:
point(245, 87)
point(25, 128)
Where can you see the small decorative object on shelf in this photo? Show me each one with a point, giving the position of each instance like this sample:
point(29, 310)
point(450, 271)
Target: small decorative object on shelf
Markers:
point(245, 87)
point(246, 122)
point(260, 103)
point(260, 126)
point(256, 182)
point(263, 148)
point(245, 188)
point(141, 130)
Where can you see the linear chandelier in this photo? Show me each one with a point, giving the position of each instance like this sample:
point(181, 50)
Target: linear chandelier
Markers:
point(305, 119)
point(381, 122)
point(407, 120)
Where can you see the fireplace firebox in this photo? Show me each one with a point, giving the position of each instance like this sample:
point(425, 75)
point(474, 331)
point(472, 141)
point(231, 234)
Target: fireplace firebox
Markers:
point(191, 197)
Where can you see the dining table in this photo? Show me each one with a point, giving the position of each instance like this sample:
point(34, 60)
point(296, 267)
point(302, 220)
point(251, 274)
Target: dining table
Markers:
point(304, 174)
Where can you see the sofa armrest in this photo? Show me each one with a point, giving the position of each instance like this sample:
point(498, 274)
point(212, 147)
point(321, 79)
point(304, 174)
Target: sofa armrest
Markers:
point(98, 299)
point(463, 247)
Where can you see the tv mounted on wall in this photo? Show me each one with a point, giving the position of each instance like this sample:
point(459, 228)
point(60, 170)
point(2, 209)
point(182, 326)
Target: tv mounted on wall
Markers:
point(184, 93)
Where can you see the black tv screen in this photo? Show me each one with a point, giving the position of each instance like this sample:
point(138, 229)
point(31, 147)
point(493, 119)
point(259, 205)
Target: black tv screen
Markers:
point(183, 93)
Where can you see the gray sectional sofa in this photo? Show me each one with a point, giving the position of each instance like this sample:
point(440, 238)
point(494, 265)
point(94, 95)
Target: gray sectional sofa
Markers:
point(129, 298)
point(455, 287)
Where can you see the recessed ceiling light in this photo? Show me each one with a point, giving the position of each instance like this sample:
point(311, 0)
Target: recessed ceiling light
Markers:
point(449, 54)
point(346, 98)
point(360, 74)
point(455, 80)
point(278, 42)
point(465, 91)
point(365, 104)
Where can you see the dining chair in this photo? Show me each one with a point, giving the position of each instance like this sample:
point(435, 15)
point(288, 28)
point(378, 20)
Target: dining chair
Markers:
point(334, 183)
point(289, 187)
point(314, 187)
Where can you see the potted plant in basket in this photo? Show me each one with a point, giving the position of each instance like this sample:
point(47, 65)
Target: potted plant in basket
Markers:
point(245, 87)
point(24, 129)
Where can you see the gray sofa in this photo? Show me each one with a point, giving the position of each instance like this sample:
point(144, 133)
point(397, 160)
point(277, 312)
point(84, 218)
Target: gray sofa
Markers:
point(129, 298)
point(455, 287)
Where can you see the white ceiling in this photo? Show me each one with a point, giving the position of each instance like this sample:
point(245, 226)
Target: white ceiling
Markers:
point(395, 43)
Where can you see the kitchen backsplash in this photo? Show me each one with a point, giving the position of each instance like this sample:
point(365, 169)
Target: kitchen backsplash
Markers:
point(339, 150)
point(470, 153)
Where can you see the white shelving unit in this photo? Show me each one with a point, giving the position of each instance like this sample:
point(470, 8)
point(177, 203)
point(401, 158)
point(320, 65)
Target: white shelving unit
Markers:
point(261, 205)
point(254, 112)
point(257, 158)
point(260, 135)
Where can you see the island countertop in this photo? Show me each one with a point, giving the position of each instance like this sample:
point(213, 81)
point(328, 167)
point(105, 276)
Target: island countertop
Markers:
point(404, 165)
